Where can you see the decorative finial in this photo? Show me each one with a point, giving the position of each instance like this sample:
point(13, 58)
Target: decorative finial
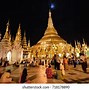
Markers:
point(19, 25)
point(49, 13)
point(50, 23)
point(7, 28)
point(83, 41)
point(24, 33)
point(7, 23)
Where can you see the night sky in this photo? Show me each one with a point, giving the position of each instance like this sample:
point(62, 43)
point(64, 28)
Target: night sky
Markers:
point(70, 18)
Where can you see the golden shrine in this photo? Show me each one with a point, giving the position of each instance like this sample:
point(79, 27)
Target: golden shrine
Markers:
point(16, 49)
point(51, 43)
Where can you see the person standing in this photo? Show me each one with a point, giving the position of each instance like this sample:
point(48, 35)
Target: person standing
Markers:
point(23, 76)
point(84, 63)
point(55, 61)
point(62, 69)
point(65, 63)
point(75, 61)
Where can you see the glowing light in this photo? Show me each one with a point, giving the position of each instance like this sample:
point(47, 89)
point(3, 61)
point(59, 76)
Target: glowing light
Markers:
point(77, 54)
point(67, 54)
point(60, 55)
point(9, 56)
point(52, 6)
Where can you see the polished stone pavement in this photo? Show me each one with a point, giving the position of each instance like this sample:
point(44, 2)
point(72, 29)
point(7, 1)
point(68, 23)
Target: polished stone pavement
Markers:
point(37, 75)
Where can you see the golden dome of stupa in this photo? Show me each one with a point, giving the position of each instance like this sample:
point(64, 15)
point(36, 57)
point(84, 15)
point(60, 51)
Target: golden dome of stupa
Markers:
point(51, 36)
point(50, 43)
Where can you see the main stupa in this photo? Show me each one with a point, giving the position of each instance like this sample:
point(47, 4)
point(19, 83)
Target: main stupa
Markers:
point(51, 35)
point(50, 43)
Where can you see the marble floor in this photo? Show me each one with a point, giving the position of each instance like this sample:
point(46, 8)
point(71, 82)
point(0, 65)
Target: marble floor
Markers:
point(37, 75)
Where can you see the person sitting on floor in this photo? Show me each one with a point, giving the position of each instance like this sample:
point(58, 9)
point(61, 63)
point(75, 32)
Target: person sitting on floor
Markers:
point(6, 77)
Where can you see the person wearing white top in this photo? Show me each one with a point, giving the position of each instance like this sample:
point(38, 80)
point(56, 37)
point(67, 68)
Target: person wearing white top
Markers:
point(62, 69)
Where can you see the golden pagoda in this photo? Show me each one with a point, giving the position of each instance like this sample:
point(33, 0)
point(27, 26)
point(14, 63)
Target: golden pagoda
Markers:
point(24, 42)
point(7, 37)
point(14, 49)
point(50, 43)
point(17, 50)
point(18, 36)
point(51, 35)
point(5, 43)
point(25, 47)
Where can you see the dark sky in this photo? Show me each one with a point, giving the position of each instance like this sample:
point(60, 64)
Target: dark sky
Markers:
point(70, 18)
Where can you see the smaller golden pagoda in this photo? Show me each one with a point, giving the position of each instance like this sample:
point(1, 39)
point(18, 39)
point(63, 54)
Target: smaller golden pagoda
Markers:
point(14, 49)
point(5, 43)
point(51, 43)
point(26, 48)
point(17, 50)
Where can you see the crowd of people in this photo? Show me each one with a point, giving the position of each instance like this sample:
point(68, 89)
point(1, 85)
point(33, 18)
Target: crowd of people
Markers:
point(61, 65)
point(55, 68)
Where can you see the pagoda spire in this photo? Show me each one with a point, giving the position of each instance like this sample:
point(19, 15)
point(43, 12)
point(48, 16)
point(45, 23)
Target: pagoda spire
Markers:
point(75, 44)
point(50, 23)
point(51, 35)
point(50, 28)
point(7, 36)
point(28, 43)
point(18, 35)
point(6, 41)
point(24, 41)
point(7, 33)
point(83, 41)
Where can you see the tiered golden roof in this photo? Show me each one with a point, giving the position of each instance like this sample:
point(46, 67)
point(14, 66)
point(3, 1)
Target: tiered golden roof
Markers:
point(18, 36)
point(51, 36)
point(24, 43)
point(6, 41)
